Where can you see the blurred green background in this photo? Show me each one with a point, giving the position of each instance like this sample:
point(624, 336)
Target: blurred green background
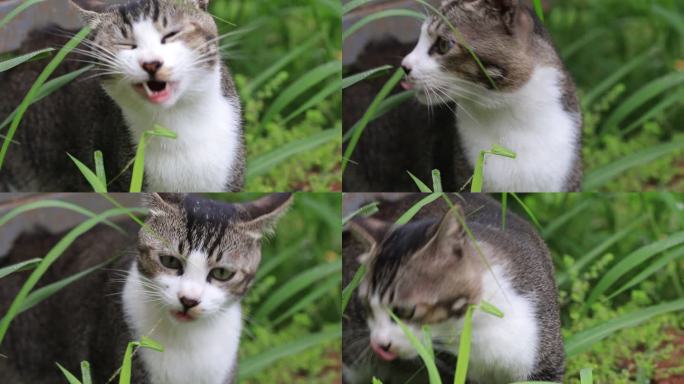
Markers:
point(627, 57)
point(285, 57)
point(619, 265)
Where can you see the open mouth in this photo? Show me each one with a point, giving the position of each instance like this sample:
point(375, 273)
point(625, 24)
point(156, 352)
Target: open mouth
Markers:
point(156, 92)
point(183, 317)
point(407, 85)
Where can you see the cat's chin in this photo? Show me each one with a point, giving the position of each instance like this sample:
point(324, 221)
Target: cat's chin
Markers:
point(183, 317)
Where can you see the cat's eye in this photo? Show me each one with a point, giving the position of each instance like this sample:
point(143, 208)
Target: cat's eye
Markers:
point(221, 274)
point(404, 313)
point(127, 46)
point(170, 262)
point(169, 36)
point(442, 46)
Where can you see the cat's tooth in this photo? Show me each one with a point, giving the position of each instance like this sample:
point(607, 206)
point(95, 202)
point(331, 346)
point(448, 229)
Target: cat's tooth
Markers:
point(147, 89)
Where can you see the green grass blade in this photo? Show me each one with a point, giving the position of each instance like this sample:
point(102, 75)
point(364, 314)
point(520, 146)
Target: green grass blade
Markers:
point(48, 88)
point(428, 359)
point(602, 175)
point(330, 89)
point(539, 9)
point(127, 364)
point(351, 287)
point(421, 186)
point(353, 79)
point(436, 180)
point(13, 62)
point(23, 266)
point(69, 376)
point(630, 263)
point(353, 4)
point(527, 210)
point(99, 168)
point(264, 163)
point(561, 220)
point(272, 263)
point(40, 294)
point(254, 364)
point(32, 93)
point(85, 373)
point(584, 340)
point(366, 210)
point(381, 15)
point(47, 261)
point(615, 77)
point(321, 289)
point(386, 89)
point(385, 106)
point(464, 347)
point(92, 178)
point(299, 87)
point(586, 376)
point(51, 204)
point(411, 212)
point(278, 65)
point(504, 210)
point(16, 11)
point(655, 111)
point(642, 96)
point(294, 286)
point(670, 257)
point(489, 308)
point(139, 164)
point(599, 249)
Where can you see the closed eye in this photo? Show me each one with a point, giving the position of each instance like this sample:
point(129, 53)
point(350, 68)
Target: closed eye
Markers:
point(169, 36)
point(126, 46)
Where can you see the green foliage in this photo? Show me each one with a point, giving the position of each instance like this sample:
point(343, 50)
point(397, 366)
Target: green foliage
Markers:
point(628, 96)
point(288, 94)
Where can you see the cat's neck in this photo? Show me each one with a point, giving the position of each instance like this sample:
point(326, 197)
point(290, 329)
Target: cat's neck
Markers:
point(515, 334)
point(204, 351)
point(533, 122)
point(204, 156)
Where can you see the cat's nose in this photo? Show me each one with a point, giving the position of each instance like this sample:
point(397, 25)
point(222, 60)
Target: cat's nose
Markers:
point(188, 303)
point(152, 67)
point(406, 68)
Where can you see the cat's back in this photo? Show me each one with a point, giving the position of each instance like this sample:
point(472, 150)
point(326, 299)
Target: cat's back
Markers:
point(84, 320)
point(77, 118)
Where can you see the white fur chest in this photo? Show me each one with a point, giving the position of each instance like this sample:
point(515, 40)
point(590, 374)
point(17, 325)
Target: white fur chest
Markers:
point(532, 123)
point(198, 353)
point(503, 350)
point(203, 156)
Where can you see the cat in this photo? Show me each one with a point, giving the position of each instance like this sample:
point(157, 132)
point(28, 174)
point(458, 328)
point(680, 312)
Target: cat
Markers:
point(521, 97)
point(156, 62)
point(184, 274)
point(407, 138)
point(428, 271)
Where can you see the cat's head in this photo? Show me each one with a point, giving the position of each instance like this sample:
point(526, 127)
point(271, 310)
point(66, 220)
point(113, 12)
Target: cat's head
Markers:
point(426, 273)
point(155, 52)
point(505, 36)
point(198, 257)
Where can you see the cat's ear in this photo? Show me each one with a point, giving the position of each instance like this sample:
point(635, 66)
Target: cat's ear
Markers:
point(449, 235)
point(202, 4)
point(163, 204)
point(370, 232)
point(260, 216)
point(512, 13)
point(89, 17)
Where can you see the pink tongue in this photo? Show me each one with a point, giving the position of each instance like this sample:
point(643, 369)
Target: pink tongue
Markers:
point(385, 355)
point(406, 85)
